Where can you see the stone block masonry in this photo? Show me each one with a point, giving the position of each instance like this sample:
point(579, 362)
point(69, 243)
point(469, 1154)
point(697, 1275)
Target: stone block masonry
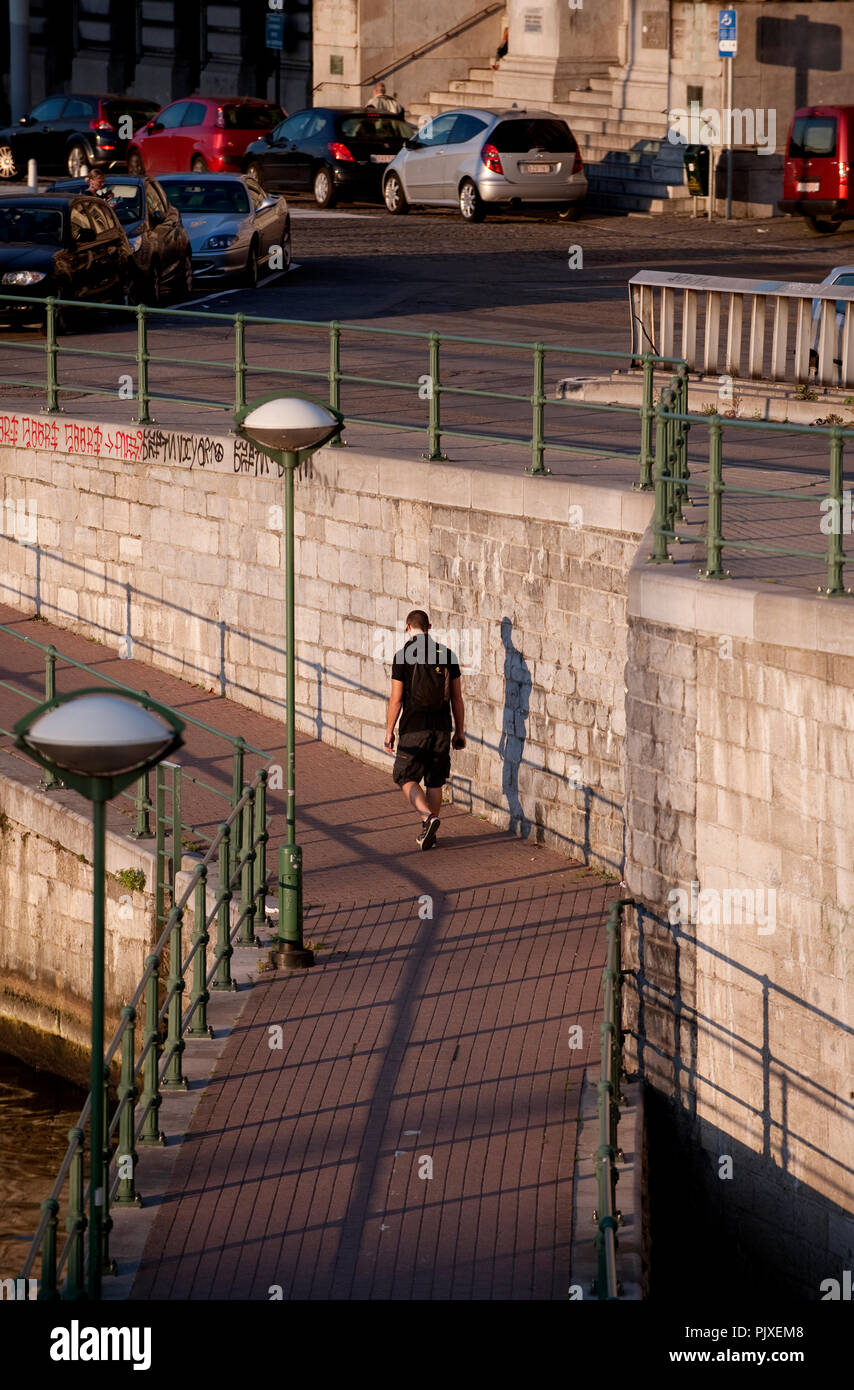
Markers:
point(171, 547)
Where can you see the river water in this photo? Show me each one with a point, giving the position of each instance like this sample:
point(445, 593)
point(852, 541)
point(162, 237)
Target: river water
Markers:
point(36, 1112)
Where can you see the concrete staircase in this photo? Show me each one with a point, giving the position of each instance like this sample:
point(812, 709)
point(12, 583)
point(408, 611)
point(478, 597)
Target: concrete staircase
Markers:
point(630, 165)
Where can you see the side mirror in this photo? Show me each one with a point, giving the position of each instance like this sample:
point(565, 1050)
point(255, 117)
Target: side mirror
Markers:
point(153, 127)
point(269, 202)
point(413, 144)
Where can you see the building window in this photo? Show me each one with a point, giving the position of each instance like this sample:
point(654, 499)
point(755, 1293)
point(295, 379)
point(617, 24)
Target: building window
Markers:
point(156, 26)
point(221, 33)
point(93, 24)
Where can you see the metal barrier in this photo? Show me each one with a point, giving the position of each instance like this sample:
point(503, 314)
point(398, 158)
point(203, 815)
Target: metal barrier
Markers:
point(671, 479)
point(610, 1098)
point(159, 1063)
point(166, 790)
point(428, 388)
point(773, 354)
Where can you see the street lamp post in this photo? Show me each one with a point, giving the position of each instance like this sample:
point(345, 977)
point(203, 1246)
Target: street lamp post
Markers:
point(289, 429)
point(98, 744)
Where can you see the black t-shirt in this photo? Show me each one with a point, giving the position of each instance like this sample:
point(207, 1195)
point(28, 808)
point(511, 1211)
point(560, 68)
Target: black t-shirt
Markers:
point(422, 650)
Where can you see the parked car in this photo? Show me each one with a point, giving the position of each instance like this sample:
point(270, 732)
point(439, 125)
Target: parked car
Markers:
point(817, 168)
point(231, 222)
point(73, 248)
point(201, 135)
point(333, 153)
point(473, 159)
point(65, 132)
point(162, 255)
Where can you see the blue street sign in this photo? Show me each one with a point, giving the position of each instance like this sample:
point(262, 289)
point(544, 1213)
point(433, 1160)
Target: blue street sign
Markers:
point(274, 31)
point(727, 34)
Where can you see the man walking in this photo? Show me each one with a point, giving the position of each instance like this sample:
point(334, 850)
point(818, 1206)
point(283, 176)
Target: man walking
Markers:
point(381, 102)
point(425, 691)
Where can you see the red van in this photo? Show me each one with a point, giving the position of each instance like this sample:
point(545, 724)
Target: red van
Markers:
point(817, 168)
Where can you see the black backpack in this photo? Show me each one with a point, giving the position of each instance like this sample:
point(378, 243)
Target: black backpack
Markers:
point(429, 685)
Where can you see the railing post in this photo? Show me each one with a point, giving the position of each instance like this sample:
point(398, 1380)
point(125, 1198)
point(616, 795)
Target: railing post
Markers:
point(173, 1079)
point(150, 1098)
point(108, 1266)
point(177, 835)
point(76, 1223)
point(50, 781)
point(246, 934)
point(835, 551)
point(682, 426)
point(538, 400)
point(51, 350)
point(660, 554)
point(126, 1193)
point(143, 830)
point(647, 414)
point(160, 847)
point(261, 837)
point(142, 360)
point(239, 362)
point(47, 1284)
point(434, 409)
point(714, 527)
point(199, 1016)
point(335, 376)
point(236, 793)
point(224, 949)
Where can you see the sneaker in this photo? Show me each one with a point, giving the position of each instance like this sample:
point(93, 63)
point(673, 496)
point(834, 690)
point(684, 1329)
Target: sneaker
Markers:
point(427, 838)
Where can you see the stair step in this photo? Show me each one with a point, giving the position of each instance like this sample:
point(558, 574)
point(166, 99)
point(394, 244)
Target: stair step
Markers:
point(469, 87)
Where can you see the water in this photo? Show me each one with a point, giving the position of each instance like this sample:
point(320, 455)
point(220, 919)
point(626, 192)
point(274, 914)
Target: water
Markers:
point(36, 1112)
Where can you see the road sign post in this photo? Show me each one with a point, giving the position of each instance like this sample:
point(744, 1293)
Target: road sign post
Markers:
point(274, 38)
point(727, 49)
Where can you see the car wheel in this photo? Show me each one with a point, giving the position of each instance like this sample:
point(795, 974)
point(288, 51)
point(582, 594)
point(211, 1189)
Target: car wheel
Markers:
point(823, 226)
point(8, 167)
point(250, 273)
point(198, 165)
point(253, 171)
point(77, 157)
point(287, 250)
point(394, 196)
point(324, 188)
point(472, 208)
point(570, 212)
point(135, 165)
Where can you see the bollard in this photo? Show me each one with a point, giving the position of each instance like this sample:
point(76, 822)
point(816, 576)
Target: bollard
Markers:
point(32, 176)
point(261, 838)
point(289, 951)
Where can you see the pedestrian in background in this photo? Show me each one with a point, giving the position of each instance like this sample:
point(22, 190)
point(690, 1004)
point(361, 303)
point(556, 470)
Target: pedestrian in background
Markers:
point(380, 102)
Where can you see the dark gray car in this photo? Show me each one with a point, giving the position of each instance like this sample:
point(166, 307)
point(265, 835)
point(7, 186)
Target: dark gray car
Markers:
point(472, 159)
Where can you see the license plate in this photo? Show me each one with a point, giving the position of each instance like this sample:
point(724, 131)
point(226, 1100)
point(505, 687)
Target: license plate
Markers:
point(382, 158)
point(537, 168)
point(808, 187)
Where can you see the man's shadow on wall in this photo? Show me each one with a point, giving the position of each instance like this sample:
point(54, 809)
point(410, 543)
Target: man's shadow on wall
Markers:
point(517, 697)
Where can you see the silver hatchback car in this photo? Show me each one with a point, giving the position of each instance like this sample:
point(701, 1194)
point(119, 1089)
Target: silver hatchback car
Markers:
point(472, 158)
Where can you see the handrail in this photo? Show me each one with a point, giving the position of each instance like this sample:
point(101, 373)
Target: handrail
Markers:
point(609, 1099)
point(427, 47)
point(428, 388)
point(247, 819)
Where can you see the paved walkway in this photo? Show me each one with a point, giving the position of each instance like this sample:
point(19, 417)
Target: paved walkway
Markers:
point(414, 1136)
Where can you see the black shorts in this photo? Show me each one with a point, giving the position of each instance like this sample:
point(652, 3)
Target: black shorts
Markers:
point(423, 756)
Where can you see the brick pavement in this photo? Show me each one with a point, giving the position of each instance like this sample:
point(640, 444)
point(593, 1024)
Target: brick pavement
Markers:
point(415, 1037)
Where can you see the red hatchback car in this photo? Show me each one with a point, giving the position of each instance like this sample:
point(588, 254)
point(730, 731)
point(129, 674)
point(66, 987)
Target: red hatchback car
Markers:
point(818, 179)
point(201, 134)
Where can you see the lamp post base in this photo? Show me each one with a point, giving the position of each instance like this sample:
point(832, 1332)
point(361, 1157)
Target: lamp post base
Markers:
point(287, 957)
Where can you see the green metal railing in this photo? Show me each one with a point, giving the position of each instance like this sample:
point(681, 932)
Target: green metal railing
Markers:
point(429, 387)
point(165, 809)
point(158, 1066)
point(608, 1154)
point(671, 478)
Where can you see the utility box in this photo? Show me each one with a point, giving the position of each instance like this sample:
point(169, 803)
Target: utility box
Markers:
point(697, 170)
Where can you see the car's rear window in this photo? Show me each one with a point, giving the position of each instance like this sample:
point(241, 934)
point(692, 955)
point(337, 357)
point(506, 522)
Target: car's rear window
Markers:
point(374, 127)
point(140, 112)
point(206, 196)
point(252, 117)
point(518, 137)
point(813, 136)
point(40, 226)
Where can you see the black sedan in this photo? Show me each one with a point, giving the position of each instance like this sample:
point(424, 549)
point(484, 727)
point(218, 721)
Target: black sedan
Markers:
point(73, 248)
point(332, 152)
point(63, 133)
point(162, 255)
